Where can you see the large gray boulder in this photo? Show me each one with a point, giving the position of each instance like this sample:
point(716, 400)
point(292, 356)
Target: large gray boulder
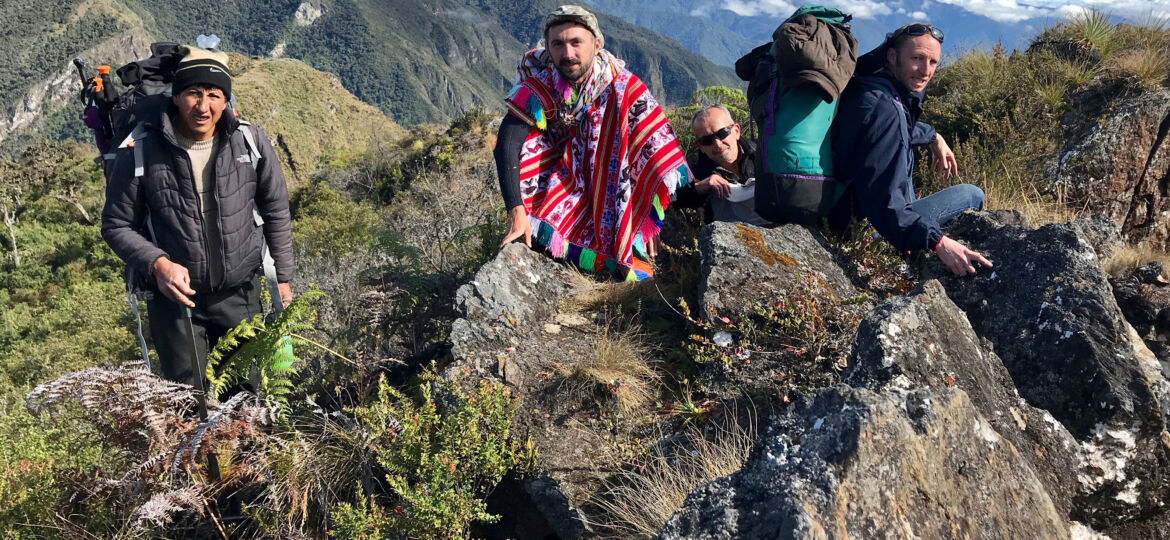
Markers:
point(1048, 310)
point(743, 265)
point(505, 301)
point(923, 340)
point(500, 338)
point(851, 463)
point(1120, 166)
point(783, 312)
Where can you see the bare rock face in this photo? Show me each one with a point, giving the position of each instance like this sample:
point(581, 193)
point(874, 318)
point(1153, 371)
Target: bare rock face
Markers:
point(516, 291)
point(1048, 310)
point(745, 265)
point(850, 463)
point(923, 340)
point(498, 338)
point(1122, 166)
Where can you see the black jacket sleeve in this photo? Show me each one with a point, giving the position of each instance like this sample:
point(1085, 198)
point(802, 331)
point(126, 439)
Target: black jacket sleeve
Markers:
point(272, 203)
point(687, 196)
point(872, 133)
point(509, 140)
point(124, 216)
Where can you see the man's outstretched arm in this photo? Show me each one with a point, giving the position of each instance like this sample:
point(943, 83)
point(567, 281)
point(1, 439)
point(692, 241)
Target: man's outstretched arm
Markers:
point(509, 140)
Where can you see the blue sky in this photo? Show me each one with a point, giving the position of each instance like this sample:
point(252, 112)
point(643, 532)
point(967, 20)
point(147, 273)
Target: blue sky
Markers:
point(1003, 11)
point(968, 23)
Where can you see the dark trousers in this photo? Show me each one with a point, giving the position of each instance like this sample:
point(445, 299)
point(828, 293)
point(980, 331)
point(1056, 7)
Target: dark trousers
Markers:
point(213, 315)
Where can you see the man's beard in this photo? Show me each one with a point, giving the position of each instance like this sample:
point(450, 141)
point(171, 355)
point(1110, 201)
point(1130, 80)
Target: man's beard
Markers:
point(573, 70)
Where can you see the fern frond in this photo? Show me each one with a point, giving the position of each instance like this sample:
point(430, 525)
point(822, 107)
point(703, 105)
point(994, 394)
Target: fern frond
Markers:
point(266, 346)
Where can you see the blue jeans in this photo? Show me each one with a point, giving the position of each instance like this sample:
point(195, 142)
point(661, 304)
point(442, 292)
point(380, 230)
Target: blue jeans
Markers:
point(950, 202)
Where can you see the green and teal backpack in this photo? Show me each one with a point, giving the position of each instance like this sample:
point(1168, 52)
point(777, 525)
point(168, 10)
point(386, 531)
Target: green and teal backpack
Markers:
point(794, 164)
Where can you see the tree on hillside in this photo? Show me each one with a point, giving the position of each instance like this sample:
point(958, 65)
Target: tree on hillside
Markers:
point(57, 170)
point(10, 194)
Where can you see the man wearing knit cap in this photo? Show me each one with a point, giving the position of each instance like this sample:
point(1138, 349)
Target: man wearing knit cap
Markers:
point(188, 216)
point(586, 159)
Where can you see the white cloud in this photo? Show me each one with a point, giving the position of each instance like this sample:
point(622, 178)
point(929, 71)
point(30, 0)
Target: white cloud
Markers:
point(1013, 11)
point(920, 16)
point(861, 9)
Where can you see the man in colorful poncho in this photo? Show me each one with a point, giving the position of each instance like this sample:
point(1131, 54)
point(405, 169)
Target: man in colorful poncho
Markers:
point(586, 158)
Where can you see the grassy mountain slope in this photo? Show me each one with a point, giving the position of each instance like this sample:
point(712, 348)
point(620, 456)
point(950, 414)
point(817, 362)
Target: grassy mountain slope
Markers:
point(308, 115)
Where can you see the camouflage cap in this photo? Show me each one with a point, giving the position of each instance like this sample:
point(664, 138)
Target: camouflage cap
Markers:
point(576, 14)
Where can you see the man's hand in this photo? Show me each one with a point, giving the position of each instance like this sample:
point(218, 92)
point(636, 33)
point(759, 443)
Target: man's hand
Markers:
point(958, 258)
point(942, 158)
point(173, 281)
point(652, 247)
point(286, 296)
point(715, 185)
point(518, 226)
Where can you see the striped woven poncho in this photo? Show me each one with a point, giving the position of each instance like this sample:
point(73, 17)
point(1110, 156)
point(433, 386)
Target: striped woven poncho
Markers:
point(600, 165)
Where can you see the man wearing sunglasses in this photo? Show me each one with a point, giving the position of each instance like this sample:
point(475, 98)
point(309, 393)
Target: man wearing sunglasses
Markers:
point(726, 191)
point(873, 137)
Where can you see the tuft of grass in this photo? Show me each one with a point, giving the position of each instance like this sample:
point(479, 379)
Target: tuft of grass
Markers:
point(637, 503)
point(1151, 34)
point(591, 293)
point(1009, 192)
point(1124, 260)
point(620, 369)
point(1091, 30)
point(1149, 66)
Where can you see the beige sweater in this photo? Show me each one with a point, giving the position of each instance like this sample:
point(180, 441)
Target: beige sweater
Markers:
point(203, 170)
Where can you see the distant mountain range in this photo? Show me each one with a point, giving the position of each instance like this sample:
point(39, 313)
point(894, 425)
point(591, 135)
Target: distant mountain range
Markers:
point(415, 60)
point(723, 31)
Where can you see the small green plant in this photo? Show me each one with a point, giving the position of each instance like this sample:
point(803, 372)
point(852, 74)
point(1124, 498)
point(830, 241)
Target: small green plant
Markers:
point(270, 348)
point(1093, 28)
point(442, 455)
point(873, 260)
point(362, 521)
point(691, 410)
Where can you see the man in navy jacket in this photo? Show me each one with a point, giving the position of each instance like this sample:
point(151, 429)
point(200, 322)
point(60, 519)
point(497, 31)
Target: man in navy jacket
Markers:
point(873, 137)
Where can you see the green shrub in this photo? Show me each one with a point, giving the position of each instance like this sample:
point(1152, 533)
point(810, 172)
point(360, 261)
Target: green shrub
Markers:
point(328, 224)
point(442, 456)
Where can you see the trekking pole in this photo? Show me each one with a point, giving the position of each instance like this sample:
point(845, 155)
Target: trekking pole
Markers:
point(85, 96)
point(200, 391)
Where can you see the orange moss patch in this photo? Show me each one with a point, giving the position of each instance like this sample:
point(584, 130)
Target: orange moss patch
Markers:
point(754, 241)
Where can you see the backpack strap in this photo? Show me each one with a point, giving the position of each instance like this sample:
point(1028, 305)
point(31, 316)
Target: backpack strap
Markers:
point(269, 268)
point(133, 291)
point(883, 84)
point(250, 141)
point(269, 263)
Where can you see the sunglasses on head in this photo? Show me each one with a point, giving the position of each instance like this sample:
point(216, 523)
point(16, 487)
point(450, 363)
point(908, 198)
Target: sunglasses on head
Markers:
point(708, 140)
point(916, 29)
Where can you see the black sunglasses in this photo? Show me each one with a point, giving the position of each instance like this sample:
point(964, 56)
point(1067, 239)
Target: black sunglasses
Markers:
point(708, 140)
point(916, 29)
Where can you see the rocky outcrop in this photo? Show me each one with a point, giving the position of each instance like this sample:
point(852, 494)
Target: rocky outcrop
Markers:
point(505, 333)
point(513, 293)
point(307, 14)
point(745, 266)
point(1048, 310)
point(923, 340)
point(1121, 168)
point(851, 463)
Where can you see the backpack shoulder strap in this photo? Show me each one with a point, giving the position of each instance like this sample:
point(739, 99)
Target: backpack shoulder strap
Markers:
point(250, 140)
point(883, 84)
point(268, 263)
